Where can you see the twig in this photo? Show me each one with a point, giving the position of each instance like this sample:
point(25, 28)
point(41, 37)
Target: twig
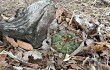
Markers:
point(84, 62)
point(71, 19)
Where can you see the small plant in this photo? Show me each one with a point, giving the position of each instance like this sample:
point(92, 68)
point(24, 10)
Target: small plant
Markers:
point(65, 42)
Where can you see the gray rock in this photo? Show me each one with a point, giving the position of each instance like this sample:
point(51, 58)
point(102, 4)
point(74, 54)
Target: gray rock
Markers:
point(32, 25)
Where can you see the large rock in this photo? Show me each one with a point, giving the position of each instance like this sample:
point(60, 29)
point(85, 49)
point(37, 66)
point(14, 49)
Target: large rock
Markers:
point(31, 23)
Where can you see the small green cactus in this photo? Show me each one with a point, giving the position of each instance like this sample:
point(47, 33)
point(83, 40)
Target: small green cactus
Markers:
point(65, 42)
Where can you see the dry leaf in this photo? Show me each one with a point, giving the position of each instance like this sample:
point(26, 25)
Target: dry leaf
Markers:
point(92, 31)
point(17, 67)
point(59, 11)
point(84, 36)
point(32, 65)
point(34, 54)
point(4, 17)
point(108, 45)
point(101, 43)
point(105, 53)
point(12, 41)
point(67, 19)
point(92, 67)
point(105, 66)
point(50, 67)
point(104, 43)
point(24, 45)
point(98, 47)
point(3, 65)
point(3, 57)
point(75, 66)
point(78, 58)
point(107, 35)
point(67, 57)
point(60, 19)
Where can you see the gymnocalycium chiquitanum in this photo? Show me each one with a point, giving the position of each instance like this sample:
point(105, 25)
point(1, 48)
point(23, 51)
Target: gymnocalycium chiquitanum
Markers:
point(65, 42)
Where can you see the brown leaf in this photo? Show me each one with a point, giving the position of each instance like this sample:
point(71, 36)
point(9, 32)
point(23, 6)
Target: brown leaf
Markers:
point(102, 43)
point(2, 57)
point(105, 66)
point(78, 58)
point(105, 52)
point(59, 11)
point(32, 65)
point(98, 47)
point(75, 66)
point(4, 17)
point(107, 35)
point(92, 31)
point(92, 67)
point(24, 45)
point(60, 19)
point(108, 45)
point(67, 19)
point(84, 36)
point(11, 41)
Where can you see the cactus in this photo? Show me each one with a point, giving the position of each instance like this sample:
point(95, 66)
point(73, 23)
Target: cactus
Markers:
point(65, 42)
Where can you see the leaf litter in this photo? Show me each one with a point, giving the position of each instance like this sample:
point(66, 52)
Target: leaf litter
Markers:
point(88, 20)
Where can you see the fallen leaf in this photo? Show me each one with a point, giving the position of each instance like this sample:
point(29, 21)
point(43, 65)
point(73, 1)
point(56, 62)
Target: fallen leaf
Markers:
point(67, 19)
point(98, 47)
point(104, 43)
point(2, 57)
point(75, 66)
point(11, 41)
point(108, 45)
point(84, 36)
point(85, 60)
point(4, 17)
point(24, 45)
point(101, 43)
point(92, 31)
point(34, 54)
point(92, 67)
point(60, 19)
point(105, 53)
point(59, 11)
point(105, 67)
point(17, 67)
point(50, 67)
point(8, 53)
point(67, 57)
point(78, 58)
point(32, 65)
point(3, 65)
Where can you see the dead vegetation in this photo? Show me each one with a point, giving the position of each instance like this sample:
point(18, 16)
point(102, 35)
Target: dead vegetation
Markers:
point(78, 39)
